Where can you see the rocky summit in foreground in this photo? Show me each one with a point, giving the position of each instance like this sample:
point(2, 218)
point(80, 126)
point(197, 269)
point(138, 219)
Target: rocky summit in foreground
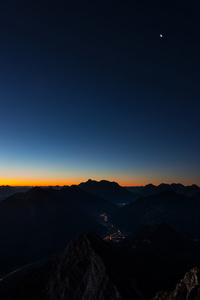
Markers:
point(88, 269)
point(187, 289)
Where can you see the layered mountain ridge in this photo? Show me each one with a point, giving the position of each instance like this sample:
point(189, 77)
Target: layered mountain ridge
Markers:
point(150, 189)
point(161, 239)
point(176, 210)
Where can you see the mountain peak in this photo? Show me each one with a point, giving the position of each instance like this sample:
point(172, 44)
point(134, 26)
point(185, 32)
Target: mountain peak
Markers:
point(34, 190)
point(103, 181)
point(108, 190)
point(89, 268)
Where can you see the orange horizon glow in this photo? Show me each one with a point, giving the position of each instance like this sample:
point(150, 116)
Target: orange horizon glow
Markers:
point(46, 183)
point(32, 184)
point(61, 181)
point(36, 183)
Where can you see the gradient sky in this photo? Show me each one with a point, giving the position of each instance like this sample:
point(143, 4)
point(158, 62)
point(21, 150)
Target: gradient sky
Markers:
point(88, 89)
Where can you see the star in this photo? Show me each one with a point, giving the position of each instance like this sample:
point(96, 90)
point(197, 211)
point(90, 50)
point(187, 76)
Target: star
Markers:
point(161, 35)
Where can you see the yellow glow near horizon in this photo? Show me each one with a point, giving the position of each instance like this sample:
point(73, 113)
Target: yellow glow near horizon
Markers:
point(45, 178)
point(61, 179)
point(61, 182)
point(36, 182)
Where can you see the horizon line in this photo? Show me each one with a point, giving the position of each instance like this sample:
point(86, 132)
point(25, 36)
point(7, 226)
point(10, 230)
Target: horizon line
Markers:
point(62, 185)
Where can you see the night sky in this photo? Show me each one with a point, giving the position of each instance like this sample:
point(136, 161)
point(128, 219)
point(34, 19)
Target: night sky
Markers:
point(89, 89)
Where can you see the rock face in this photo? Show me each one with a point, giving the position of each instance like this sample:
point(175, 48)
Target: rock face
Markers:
point(187, 289)
point(88, 269)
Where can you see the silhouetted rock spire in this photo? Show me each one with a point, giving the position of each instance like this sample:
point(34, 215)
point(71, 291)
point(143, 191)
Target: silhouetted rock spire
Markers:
point(88, 268)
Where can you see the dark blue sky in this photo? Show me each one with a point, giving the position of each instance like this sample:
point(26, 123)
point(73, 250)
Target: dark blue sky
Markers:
point(90, 90)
